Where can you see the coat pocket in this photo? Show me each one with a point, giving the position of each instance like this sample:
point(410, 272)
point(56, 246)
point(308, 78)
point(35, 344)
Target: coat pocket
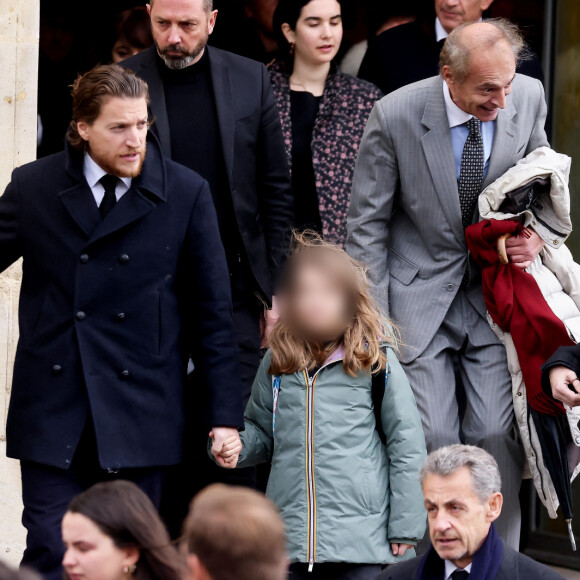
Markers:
point(401, 269)
point(372, 495)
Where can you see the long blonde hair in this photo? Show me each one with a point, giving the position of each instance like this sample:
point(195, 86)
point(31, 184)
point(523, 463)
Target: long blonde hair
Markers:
point(362, 339)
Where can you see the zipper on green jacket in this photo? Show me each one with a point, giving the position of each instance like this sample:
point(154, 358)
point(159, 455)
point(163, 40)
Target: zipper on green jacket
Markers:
point(310, 484)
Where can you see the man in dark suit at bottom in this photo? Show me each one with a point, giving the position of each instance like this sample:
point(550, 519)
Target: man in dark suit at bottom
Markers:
point(124, 277)
point(461, 487)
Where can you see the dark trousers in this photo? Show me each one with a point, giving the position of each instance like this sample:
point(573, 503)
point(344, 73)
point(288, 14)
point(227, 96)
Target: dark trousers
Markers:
point(197, 470)
point(47, 492)
point(332, 571)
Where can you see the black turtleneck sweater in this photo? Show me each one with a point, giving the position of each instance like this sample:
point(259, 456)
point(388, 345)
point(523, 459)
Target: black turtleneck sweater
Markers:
point(196, 141)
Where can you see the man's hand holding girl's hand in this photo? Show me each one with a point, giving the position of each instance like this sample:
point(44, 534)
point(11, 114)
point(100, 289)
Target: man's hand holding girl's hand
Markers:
point(226, 446)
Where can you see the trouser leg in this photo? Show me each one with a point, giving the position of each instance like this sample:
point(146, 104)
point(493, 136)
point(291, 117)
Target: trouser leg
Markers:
point(47, 492)
point(489, 418)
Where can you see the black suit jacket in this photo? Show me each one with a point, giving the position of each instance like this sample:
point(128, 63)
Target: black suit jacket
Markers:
point(253, 150)
point(409, 53)
point(514, 566)
point(110, 310)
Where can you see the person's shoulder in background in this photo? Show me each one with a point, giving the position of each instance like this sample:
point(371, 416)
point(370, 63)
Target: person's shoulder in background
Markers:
point(400, 55)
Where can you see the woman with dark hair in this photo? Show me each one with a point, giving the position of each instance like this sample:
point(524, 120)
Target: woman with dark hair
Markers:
point(113, 532)
point(132, 33)
point(323, 113)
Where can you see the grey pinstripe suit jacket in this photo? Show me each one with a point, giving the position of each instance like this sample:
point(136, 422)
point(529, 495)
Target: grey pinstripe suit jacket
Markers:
point(404, 219)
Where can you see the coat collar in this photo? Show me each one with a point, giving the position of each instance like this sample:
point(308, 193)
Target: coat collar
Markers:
point(438, 151)
point(220, 78)
point(147, 190)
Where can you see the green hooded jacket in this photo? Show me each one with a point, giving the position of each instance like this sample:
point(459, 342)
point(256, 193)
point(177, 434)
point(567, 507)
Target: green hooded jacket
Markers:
point(343, 495)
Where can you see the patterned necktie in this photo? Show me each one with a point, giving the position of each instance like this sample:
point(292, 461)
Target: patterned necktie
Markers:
point(471, 173)
point(459, 575)
point(109, 182)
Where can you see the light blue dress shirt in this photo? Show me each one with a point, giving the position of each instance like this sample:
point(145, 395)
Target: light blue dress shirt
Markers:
point(459, 132)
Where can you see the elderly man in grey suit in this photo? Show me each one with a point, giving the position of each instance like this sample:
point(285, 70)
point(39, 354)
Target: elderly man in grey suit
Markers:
point(429, 149)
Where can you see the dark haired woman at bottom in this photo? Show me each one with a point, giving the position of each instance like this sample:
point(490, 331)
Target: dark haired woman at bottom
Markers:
point(113, 532)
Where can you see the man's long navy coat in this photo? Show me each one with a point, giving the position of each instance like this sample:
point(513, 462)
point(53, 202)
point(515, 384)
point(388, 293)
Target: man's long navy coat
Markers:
point(110, 309)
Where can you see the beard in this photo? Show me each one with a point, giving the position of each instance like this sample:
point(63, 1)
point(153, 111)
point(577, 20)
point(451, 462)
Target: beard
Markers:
point(111, 165)
point(185, 59)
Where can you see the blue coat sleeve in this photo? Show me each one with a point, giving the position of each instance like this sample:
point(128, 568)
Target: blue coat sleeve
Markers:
point(209, 315)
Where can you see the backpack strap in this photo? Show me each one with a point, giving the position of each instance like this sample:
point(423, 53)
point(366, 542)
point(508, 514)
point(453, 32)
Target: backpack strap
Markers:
point(275, 392)
point(378, 388)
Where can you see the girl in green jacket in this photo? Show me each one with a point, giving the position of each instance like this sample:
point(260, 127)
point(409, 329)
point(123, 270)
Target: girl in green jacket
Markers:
point(350, 502)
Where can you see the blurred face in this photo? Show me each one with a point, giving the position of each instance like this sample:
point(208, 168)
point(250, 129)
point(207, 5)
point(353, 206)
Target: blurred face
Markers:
point(458, 521)
point(483, 93)
point(90, 554)
point(452, 13)
point(318, 32)
point(180, 29)
point(122, 50)
point(318, 307)
point(117, 138)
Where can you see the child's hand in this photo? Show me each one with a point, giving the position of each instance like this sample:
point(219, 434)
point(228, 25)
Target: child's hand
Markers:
point(400, 549)
point(227, 456)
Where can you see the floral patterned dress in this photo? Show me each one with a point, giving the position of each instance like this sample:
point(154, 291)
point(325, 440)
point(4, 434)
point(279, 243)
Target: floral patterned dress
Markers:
point(344, 109)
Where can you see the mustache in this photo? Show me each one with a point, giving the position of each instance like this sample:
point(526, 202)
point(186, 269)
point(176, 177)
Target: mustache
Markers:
point(174, 48)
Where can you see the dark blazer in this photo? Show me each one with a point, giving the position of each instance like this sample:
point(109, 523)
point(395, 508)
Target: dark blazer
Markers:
point(514, 566)
point(253, 151)
point(111, 309)
point(409, 53)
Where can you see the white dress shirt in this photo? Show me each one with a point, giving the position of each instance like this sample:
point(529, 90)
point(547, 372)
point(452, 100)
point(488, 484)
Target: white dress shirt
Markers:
point(450, 568)
point(459, 132)
point(93, 174)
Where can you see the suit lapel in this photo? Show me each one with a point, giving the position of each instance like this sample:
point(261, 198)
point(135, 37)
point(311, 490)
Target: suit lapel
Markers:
point(225, 108)
point(131, 207)
point(150, 74)
point(439, 155)
point(504, 143)
point(81, 205)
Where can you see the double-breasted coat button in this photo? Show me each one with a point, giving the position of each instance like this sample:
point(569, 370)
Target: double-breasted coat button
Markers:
point(81, 315)
point(57, 370)
point(124, 374)
point(123, 258)
point(84, 258)
point(449, 287)
point(120, 317)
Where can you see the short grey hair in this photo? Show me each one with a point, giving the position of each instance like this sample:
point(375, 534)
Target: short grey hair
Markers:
point(207, 4)
point(483, 467)
point(456, 54)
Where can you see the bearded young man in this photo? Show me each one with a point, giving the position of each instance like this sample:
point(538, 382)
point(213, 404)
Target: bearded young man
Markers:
point(124, 278)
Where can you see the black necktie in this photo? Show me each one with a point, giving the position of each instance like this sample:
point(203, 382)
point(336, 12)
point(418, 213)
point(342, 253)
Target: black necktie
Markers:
point(471, 173)
point(459, 575)
point(109, 182)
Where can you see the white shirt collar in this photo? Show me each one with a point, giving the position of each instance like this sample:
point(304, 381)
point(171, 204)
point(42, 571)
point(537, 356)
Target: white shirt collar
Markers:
point(455, 115)
point(440, 32)
point(93, 172)
point(450, 568)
